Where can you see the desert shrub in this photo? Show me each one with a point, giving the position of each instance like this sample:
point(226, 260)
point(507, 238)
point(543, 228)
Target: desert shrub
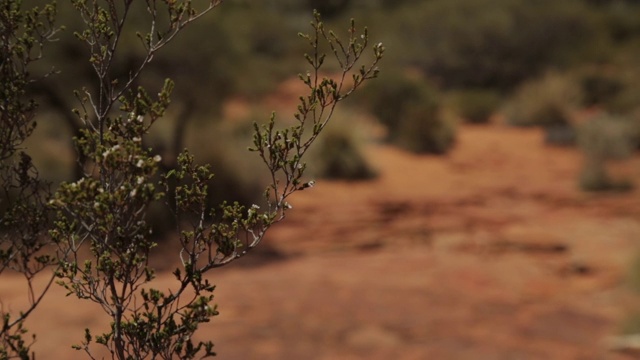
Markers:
point(224, 59)
point(624, 100)
point(594, 176)
point(599, 87)
point(100, 223)
point(388, 102)
point(604, 138)
point(607, 136)
point(424, 129)
point(410, 109)
point(489, 43)
point(546, 101)
point(339, 155)
point(214, 144)
point(25, 217)
point(477, 105)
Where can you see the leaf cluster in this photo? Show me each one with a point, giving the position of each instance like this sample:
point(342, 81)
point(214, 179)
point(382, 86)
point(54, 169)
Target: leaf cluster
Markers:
point(23, 195)
point(105, 210)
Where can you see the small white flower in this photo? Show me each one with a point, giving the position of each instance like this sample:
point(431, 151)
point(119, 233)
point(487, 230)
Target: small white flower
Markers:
point(133, 193)
point(140, 118)
point(137, 139)
point(139, 180)
point(157, 158)
point(140, 163)
point(75, 184)
point(111, 150)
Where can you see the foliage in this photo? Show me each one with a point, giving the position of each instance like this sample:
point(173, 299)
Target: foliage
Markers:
point(607, 136)
point(339, 155)
point(106, 210)
point(499, 45)
point(389, 101)
point(424, 129)
point(23, 195)
point(543, 102)
point(619, 86)
point(600, 88)
point(245, 61)
point(236, 176)
point(601, 139)
point(476, 106)
point(496, 44)
point(410, 108)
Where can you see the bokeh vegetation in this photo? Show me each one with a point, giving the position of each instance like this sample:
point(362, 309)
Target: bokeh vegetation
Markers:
point(533, 63)
point(339, 153)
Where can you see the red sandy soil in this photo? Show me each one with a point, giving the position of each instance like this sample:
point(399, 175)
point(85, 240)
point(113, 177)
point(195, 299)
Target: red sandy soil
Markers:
point(490, 252)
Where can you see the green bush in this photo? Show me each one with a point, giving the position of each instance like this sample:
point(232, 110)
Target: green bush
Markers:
point(477, 105)
point(389, 101)
point(410, 109)
point(607, 136)
point(594, 176)
point(547, 101)
point(495, 43)
point(425, 130)
point(339, 155)
point(625, 99)
point(604, 138)
point(600, 88)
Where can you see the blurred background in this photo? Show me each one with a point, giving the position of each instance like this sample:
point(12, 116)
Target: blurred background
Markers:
point(477, 201)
